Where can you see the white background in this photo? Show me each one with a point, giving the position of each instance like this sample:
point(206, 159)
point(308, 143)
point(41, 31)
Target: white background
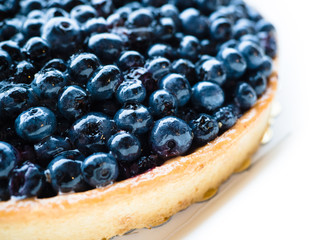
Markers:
point(279, 197)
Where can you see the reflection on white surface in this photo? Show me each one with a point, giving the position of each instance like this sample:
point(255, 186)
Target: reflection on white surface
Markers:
point(278, 197)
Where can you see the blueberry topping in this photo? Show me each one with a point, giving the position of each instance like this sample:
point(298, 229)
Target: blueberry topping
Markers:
point(189, 48)
point(131, 91)
point(213, 71)
point(26, 181)
point(35, 124)
point(226, 117)
point(158, 67)
point(130, 59)
point(124, 146)
point(8, 159)
point(233, 61)
point(258, 81)
point(100, 169)
point(205, 128)
point(162, 103)
point(171, 137)
point(245, 96)
point(252, 53)
point(221, 29)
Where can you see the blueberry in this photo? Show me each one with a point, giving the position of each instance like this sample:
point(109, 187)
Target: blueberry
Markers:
point(82, 66)
point(57, 64)
point(115, 20)
point(131, 91)
point(134, 118)
point(4, 190)
point(144, 76)
point(24, 72)
point(171, 137)
point(264, 26)
point(29, 5)
point(140, 18)
point(205, 128)
point(37, 50)
point(8, 28)
point(83, 13)
point(252, 53)
point(233, 61)
point(213, 71)
point(170, 11)
point(161, 50)
point(95, 25)
point(158, 67)
point(208, 6)
point(165, 29)
point(266, 66)
point(12, 48)
point(148, 162)
point(91, 132)
point(63, 35)
point(245, 96)
point(130, 59)
point(9, 158)
point(189, 48)
point(242, 27)
point(49, 147)
point(100, 169)
point(104, 82)
point(258, 81)
point(207, 96)
point(177, 85)
point(106, 46)
point(140, 38)
point(251, 38)
point(226, 117)
point(125, 146)
point(268, 43)
point(35, 124)
point(65, 175)
point(73, 102)
point(221, 29)
point(193, 23)
point(232, 43)
point(70, 154)
point(26, 181)
point(15, 100)
point(185, 68)
point(49, 83)
point(162, 103)
point(32, 27)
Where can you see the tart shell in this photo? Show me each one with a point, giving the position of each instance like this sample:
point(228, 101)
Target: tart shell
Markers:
point(146, 200)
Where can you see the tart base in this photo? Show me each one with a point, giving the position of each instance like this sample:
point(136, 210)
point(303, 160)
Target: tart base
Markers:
point(146, 200)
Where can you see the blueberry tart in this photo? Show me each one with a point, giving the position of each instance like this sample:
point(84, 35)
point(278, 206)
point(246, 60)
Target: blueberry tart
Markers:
point(115, 115)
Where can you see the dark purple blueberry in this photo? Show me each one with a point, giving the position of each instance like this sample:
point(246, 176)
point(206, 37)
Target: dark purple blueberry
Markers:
point(213, 71)
point(83, 13)
point(161, 50)
point(12, 48)
point(165, 29)
point(131, 91)
point(140, 38)
point(162, 103)
point(82, 67)
point(170, 11)
point(49, 147)
point(264, 26)
point(104, 82)
point(207, 96)
point(185, 68)
point(73, 102)
point(252, 53)
point(158, 67)
point(178, 86)
point(130, 59)
point(91, 133)
point(15, 100)
point(144, 76)
point(9, 158)
point(205, 128)
point(24, 72)
point(9, 8)
point(258, 81)
point(37, 50)
point(63, 35)
point(95, 25)
point(253, 14)
point(100, 169)
point(266, 66)
point(269, 43)
point(26, 181)
point(208, 47)
point(57, 64)
point(32, 27)
point(171, 137)
point(245, 96)
point(134, 118)
point(221, 29)
point(226, 117)
point(65, 175)
point(49, 83)
point(125, 147)
point(4, 190)
point(233, 61)
point(106, 46)
point(146, 163)
point(8, 28)
point(193, 23)
point(189, 48)
point(35, 124)
point(242, 27)
point(140, 18)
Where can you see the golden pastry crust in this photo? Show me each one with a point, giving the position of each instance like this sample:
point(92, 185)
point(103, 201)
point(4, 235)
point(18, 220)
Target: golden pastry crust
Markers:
point(146, 200)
